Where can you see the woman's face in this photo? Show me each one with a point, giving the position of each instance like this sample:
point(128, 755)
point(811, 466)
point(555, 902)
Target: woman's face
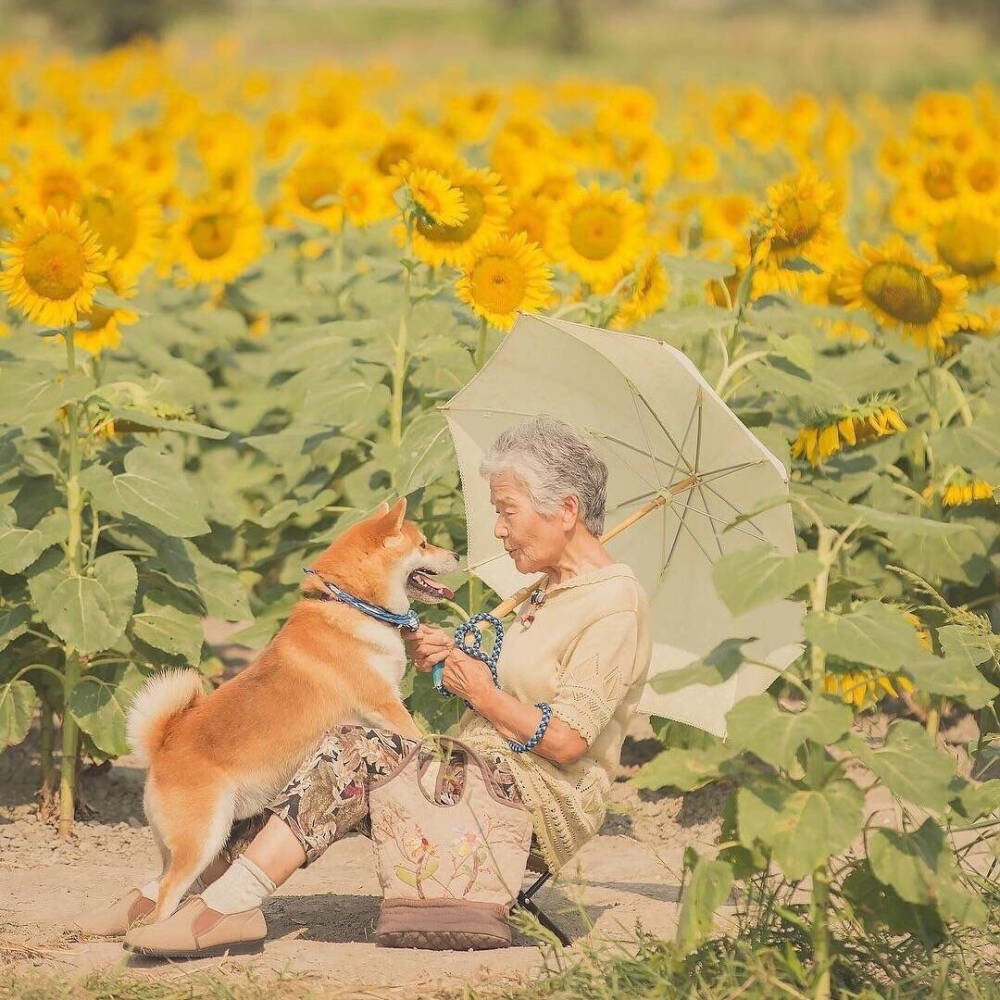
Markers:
point(534, 541)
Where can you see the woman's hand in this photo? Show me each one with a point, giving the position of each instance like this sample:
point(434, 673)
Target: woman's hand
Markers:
point(427, 646)
point(467, 677)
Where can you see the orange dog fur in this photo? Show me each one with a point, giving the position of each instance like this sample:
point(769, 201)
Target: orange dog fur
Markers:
point(221, 757)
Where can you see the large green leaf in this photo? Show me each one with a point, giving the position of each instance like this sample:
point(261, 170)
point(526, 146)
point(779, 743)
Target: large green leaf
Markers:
point(968, 445)
point(873, 634)
point(218, 585)
point(714, 668)
point(965, 643)
point(37, 388)
point(754, 576)
point(774, 734)
point(683, 768)
point(168, 628)
point(910, 765)
point(706, 890)
point(921, 867)
point(20, 547)
point(100, 707)
point(154, 490)
point(13, 622)
point(803, 827)
point(17, 708)
point(952, 677)
point(961, 556)
point(89, 612)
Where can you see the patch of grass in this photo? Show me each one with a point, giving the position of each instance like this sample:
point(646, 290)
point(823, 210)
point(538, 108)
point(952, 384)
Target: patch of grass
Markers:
point(117, 984)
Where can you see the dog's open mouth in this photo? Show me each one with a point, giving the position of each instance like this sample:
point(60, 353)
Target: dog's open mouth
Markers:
point(421, 583)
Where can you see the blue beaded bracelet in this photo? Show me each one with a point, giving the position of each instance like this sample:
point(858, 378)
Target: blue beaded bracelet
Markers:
point(532, 740)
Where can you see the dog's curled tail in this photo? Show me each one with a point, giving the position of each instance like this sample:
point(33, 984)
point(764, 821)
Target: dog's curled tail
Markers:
point(158, 701)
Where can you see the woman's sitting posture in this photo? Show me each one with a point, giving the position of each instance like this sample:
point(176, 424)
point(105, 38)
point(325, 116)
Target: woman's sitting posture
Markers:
point(586, 655)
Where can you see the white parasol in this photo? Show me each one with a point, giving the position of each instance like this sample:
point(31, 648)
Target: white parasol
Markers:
point(682, 467)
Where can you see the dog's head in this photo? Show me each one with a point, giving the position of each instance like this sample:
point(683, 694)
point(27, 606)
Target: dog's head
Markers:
point(386, 560)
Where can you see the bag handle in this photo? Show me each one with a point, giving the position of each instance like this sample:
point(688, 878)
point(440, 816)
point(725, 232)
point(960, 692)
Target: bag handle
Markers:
point(471, 757)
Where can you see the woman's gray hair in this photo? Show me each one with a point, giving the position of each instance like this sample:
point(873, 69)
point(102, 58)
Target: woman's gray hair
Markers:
point(552, 461)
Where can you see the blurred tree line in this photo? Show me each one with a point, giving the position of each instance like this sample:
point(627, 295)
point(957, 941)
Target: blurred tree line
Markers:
point(103, 24)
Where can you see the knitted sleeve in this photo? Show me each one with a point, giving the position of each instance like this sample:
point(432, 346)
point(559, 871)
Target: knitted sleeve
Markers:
point(596, 674)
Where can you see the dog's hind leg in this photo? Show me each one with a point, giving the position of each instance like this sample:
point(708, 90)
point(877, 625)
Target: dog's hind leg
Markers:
point(194, 832)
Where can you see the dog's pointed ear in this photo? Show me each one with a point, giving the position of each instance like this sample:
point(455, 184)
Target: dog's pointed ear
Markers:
point(396, 514)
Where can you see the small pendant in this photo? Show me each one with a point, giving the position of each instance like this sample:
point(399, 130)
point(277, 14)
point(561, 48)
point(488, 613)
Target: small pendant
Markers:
point(536, 600)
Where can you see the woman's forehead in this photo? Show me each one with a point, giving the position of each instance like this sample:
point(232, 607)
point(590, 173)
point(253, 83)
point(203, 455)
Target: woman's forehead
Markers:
point(504, 486)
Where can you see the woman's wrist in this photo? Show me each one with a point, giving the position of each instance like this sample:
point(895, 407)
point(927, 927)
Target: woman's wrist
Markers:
point(484, 700)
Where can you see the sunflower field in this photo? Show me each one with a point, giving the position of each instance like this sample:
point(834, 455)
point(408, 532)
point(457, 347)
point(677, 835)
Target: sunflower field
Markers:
point(230, 300)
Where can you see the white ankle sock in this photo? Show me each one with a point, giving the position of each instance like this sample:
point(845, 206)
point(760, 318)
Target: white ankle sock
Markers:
point(242, 887)
point(151, 889)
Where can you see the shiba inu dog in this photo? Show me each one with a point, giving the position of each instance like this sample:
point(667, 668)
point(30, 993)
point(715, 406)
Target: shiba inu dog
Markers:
point(221, 757)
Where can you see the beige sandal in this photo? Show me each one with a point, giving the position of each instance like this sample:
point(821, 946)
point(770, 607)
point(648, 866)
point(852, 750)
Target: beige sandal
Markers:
point(131, 910)
point(195, 931)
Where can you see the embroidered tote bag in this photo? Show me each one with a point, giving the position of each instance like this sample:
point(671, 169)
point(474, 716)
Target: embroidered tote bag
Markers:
point(449, 873)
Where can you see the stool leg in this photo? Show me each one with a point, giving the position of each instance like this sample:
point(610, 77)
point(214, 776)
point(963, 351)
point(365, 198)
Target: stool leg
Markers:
point(524, 899)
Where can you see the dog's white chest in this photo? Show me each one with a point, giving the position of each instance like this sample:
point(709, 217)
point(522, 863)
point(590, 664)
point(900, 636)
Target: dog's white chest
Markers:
point(388, 652)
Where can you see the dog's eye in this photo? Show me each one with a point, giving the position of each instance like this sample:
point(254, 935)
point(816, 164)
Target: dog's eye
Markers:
point(423, 545)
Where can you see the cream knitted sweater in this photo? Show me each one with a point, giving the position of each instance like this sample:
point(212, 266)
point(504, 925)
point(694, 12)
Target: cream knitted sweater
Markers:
point(586, 653)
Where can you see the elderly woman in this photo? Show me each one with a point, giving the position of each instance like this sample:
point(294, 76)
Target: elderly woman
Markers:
point(582, 646)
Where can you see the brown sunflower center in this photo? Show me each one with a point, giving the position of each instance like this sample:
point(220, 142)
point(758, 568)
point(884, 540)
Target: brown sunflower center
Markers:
point(969, 245)
point(983, 175)
point(54, 266)
point(498, 284)
point(475, 204)
point(212, 235)
point(60, 189)
point(939, 180)
point(903, 291)
point(314, 181)
point(595, 231)
point(797, 220)
point(114, 221)
point(97, 318)
point(390, 154)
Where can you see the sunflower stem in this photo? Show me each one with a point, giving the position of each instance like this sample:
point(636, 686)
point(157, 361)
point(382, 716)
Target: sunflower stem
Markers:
point(399, 360)
point(481, 346)
point(71, 674)
point(818, 588)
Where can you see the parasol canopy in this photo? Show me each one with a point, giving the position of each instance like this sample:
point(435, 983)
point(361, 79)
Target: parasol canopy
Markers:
point(681, 468)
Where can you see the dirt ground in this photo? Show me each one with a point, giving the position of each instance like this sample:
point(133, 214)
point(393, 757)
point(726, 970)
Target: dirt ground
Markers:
point(321, 921)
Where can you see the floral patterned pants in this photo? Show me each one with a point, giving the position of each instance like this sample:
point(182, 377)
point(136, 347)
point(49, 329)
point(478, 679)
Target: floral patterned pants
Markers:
point(328, 797)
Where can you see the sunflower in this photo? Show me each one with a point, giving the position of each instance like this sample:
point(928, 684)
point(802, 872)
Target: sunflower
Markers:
point(53, 267)
point(968, 241)
point(864, 688)
point(531, 216)
point(800, 219)
point(217, 237)
point(504, 276)
point(103, 325)
point(598, 234)
point(123, 222)
point(53, 180)
point(697, 163)
point(855, 426)
point(920, 300)
point(366, 196)
point(437, 202)
point(311, 188)
point(488, 211)
point(647, 293)
point(960, 489)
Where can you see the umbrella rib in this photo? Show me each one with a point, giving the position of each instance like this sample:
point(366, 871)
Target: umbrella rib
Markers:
point(656, 468)
point(697, 462)
point(721, 520)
